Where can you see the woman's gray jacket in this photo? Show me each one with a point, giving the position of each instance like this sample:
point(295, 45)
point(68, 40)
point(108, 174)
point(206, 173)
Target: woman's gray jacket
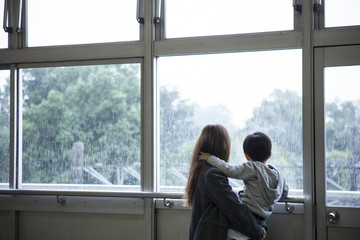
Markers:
point(216, 208)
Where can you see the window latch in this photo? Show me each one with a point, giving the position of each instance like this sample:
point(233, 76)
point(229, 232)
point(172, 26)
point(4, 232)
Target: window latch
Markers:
point(19, 17)
point(297, 6)
point(140, 11)
point(317, 5)
point(5, 22)
point(157, 19)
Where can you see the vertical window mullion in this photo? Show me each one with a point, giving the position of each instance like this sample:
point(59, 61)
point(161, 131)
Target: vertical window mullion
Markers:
point(147, 102)
point(13, 129)
point(19, 142)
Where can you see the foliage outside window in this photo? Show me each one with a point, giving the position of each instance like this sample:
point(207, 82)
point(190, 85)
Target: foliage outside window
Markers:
point(342, 135)
point(231, 90)
point(81, 126)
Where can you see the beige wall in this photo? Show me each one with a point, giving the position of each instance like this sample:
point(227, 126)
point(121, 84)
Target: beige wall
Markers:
point(169, 224)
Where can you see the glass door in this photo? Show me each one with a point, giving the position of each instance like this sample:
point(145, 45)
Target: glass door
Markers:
point(337, 141)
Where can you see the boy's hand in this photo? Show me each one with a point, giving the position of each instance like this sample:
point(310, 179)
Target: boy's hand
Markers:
point(264, 235)
point(204, 156)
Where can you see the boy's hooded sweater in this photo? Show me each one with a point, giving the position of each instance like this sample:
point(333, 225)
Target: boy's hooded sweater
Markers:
point(264, 184)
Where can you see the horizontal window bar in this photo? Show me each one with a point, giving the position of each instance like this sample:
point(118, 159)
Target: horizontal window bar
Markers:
point(118, 194)
point(230, 43)
point(73, 53)
point(73, 204)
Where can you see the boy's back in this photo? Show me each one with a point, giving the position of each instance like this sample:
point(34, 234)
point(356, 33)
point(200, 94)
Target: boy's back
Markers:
point(264, 184)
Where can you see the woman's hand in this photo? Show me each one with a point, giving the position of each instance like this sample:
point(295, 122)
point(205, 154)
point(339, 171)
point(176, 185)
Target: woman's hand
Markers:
point(204, 156)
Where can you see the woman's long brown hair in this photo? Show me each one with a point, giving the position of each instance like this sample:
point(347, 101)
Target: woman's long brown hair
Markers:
point(214, 139)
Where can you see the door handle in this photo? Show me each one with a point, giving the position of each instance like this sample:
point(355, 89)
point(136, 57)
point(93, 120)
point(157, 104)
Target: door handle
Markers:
point(332, 216)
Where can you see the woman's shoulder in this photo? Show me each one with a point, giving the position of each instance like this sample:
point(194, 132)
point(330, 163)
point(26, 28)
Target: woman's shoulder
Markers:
point(213, 172)
point(215, 179)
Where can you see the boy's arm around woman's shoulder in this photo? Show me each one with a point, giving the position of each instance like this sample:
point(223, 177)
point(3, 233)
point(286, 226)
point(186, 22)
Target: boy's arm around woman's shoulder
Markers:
point(241, 171)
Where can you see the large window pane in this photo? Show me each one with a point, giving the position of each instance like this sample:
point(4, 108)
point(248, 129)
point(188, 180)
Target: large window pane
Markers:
point(3, 34)
point(81, 127)
point(189, 18)
point(81, 21)
point(340, 13)
point(342, 125)
point(4, 128)
point(245, 92)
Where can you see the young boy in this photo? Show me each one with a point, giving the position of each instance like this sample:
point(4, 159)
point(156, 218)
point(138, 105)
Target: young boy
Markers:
point(264, 184)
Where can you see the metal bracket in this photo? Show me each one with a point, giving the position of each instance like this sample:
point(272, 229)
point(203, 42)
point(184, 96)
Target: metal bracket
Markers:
point(168, 203)
point(61, 201)
point(8, 29)
point(289, 208)
point(141, 20)
point(157, 20)
point(298, 8)
point(317, 7)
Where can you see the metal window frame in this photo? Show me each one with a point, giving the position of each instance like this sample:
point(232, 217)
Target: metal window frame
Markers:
point(329, 57)
point(308, 34)
point(16, 177)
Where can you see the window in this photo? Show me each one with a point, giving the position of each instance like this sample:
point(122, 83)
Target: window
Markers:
point(4, 128)
point(245, 92)
point(65, 22)
point(339, 13)
point(191, 18)
point(81, 127)
point(342, 121)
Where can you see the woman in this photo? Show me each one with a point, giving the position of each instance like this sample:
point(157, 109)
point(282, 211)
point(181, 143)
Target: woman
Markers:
point(215, 207)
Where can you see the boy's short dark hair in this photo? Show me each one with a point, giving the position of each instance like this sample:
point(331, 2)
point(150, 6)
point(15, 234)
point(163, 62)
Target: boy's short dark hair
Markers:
point(257, 146)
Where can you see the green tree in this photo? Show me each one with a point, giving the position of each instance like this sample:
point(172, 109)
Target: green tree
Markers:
point(177, 137)
point(98, 106)
point(280, 117)
point(342, 141)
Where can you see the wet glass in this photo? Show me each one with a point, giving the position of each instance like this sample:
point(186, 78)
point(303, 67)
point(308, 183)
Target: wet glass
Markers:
point(340, 13)
point(191, 18)
point(81, 127)
point(4, 128)
point(342, 136)
point(80, 21)
point(245, 92)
